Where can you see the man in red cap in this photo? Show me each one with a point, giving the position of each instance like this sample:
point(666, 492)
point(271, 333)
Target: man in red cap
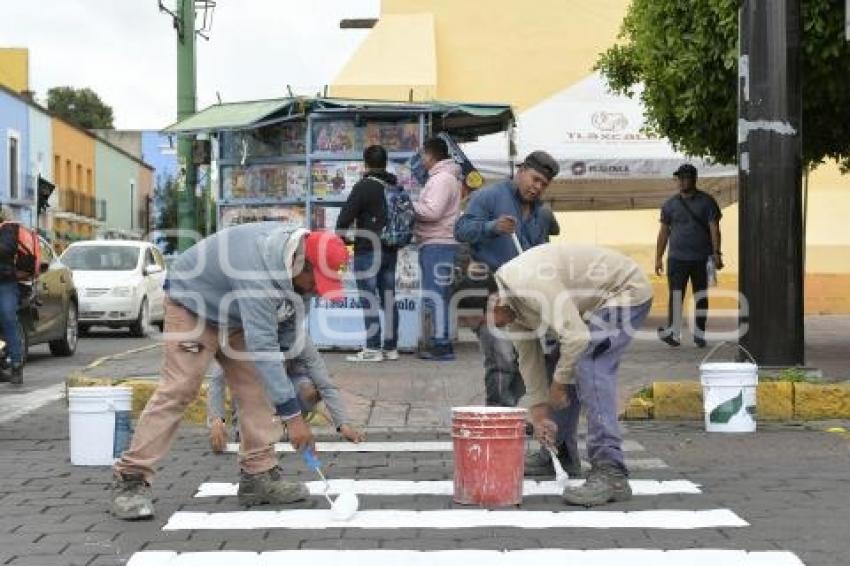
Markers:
point(226, 297)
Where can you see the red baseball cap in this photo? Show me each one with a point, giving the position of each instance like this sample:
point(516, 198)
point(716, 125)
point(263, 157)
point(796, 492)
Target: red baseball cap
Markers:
point(328, 255)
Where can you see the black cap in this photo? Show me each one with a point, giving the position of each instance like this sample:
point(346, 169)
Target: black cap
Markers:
point(686, 170)
point(543, 163)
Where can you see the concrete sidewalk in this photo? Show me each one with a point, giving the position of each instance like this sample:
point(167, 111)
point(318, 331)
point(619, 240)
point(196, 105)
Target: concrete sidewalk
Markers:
point(412, 392)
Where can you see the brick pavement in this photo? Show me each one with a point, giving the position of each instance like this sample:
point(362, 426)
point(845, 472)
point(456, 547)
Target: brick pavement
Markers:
point(789, 483)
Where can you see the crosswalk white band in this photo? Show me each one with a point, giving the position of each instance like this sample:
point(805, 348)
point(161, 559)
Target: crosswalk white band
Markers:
point(613, 557)
point(306, 519)
point(423, 446)
point(446, 488)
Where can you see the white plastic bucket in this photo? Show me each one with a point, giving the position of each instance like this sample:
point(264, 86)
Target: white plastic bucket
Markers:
point(98, 424)
point(729, 395)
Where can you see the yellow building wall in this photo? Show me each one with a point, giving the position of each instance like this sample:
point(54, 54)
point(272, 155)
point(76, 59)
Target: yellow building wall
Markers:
point(14, 68)
point(72, 145)
point(521, 53)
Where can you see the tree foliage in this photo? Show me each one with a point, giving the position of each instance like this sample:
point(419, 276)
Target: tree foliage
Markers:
point(82, 107)
point(685, 55)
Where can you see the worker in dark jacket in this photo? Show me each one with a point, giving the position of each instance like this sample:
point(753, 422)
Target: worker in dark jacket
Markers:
point(9, 298)
point(374, 264)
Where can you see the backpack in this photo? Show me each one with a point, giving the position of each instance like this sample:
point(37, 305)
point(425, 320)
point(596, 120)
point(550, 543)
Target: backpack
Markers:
point(399, 218)
point(27, 255)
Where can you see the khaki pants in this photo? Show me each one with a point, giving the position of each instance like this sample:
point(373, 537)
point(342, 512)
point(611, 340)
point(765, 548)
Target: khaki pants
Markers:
point(181, 377)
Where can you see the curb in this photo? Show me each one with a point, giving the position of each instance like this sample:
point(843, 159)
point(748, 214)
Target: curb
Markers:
point(776, 401)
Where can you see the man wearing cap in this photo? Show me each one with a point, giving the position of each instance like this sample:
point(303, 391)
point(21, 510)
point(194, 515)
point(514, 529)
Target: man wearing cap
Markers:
point(223, 299)
point(690, 224)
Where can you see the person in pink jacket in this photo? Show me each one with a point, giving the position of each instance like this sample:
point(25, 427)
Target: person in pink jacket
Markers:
point(437, 210)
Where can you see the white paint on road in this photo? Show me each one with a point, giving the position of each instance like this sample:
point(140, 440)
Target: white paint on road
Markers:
point(423, 446)
point(446, 488)
point(306, 519)
point(15, 405)
point(536, 557)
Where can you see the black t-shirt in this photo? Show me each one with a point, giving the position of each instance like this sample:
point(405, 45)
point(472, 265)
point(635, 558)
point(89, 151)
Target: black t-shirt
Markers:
point(8, 247)
point(689, 239)
point(365, 208)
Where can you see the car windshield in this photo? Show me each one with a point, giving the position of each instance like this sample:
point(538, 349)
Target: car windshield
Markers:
point(101, 258)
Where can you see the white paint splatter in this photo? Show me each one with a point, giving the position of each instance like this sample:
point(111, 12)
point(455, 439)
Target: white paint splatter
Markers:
point(747, 126)
point(15, 406)
point(446, 487)
point(536, 557)
point(306, 519)
point(744, 73)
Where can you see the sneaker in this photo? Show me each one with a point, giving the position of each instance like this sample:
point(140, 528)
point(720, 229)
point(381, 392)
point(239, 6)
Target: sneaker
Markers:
point(131, 498)
point(218, 436)
point(539, 464)
point(268, 488)
point(366, 355)
point(391, 355)
point(666, 335)
point(16, 376)
point(605, 483)
point(700, 342)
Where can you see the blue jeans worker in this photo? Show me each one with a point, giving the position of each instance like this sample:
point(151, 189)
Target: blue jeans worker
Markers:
point(594, 300)
point(375, 274)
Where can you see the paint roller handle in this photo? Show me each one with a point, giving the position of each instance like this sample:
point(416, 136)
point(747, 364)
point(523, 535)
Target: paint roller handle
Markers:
point(514, 237)
point(310, 459)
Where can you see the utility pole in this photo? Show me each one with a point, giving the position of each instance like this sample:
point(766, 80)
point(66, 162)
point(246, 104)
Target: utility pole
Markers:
point(186, 97)
point(769, 181)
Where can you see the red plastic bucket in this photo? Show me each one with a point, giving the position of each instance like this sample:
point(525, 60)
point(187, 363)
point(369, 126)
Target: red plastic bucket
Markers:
point(489, 455)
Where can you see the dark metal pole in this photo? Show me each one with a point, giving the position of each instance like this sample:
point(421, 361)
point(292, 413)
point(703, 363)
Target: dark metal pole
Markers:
point(770, 176)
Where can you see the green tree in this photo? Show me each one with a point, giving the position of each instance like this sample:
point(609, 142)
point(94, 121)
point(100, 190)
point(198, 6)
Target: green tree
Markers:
point(685, 54)
point(82, 107)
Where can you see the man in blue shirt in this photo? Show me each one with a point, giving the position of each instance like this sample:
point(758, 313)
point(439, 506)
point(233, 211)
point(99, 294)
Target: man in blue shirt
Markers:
point(494, 216)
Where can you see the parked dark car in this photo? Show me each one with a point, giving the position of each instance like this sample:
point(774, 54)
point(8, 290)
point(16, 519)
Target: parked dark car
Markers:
point(49, 314)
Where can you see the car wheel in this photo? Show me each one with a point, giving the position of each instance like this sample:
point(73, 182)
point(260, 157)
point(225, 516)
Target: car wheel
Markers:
point(140, 328)
point(84, 329)
point(67, 345)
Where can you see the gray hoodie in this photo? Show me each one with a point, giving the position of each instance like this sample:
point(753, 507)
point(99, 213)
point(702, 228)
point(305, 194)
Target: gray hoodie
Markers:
point(236, 279)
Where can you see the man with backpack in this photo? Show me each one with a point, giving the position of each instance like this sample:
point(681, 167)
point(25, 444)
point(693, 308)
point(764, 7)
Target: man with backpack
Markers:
point(382, 214)
point(690, 223)
point(19, 261)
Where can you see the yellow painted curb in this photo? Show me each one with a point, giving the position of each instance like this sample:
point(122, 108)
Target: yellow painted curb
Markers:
point(776, 401)
point(677, 400)
point(815, 401)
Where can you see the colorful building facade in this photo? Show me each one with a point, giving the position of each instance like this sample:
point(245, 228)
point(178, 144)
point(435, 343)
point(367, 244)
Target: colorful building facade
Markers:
point(75, 176)
point(524, 56)
point(16, 185)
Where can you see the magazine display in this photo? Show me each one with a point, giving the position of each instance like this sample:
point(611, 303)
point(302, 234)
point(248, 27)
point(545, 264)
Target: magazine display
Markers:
point(335, 179)
point(325, 217)
point(293, 216)
point(394, 136)
point(338, 136)
point(278, 181)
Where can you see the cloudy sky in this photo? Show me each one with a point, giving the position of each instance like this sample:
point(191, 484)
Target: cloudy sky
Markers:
point(124, 50)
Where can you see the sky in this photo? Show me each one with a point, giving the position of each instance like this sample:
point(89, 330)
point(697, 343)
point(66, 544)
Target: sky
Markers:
point(125, 50)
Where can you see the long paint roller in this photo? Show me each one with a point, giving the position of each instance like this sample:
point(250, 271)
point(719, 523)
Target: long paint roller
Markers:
point(346, 503)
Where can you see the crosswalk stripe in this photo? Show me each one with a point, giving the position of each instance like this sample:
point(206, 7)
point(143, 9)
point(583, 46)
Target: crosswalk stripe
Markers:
point(402, 487)
point(420, 446)
point(306, 519)
point(535, 557)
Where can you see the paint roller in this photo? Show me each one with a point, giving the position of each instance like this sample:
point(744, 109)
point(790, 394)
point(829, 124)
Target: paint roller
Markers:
point(346, 503)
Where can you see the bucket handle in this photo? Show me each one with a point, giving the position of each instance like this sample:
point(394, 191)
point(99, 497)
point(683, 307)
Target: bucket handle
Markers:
point(739, 347)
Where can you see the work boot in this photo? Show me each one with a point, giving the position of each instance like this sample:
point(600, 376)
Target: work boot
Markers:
point(268, 488)
point(131, 498)
point(218, 436)
point(605, 483)
point(539, 464)
point(16, 376)
point(667, 336)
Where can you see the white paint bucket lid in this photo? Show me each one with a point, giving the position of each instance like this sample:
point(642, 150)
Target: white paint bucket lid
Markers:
point(119, 392)
point(729, 367)
point(516, 411)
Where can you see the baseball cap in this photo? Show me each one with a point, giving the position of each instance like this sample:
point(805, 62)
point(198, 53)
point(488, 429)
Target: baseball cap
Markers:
point(328, 255)
point(543, 163)
point(686, 170)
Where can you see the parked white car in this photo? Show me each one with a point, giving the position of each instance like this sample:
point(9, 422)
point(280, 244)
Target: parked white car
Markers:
point(119, 283)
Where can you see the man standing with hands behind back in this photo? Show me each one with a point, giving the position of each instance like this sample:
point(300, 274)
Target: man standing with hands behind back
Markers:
point(690, 223)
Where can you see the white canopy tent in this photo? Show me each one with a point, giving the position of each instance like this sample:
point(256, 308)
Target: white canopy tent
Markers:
point(607, 162)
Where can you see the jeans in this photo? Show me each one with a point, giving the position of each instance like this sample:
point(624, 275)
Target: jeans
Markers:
point(503, 382)
point(9, 298)
point(678, 274)
point(568, 417)
point(596, 375)
point(436, 263)
point(374, 289)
